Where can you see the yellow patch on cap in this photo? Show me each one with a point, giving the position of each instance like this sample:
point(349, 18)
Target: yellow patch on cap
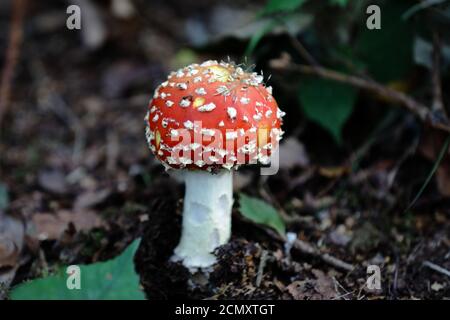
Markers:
point(263, 136)
point(157, 139)
point(220, 73)
point(198, 102)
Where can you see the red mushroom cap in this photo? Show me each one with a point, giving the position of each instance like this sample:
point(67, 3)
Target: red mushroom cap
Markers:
point(213, 115)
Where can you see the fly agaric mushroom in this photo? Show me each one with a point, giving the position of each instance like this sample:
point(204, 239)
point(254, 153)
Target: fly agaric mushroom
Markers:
point(205, 120)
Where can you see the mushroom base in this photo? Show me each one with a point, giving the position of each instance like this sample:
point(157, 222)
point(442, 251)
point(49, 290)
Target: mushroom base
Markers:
point(206, 217)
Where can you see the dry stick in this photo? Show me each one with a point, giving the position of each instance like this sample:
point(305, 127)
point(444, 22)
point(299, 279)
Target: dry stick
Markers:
point(308, 248)
point(262, 265)
point(415, 107)
point(12, 53)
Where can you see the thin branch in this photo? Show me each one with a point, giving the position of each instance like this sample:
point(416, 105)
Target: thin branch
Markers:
point(310, 249)
point(12, 53)
point(418, 109)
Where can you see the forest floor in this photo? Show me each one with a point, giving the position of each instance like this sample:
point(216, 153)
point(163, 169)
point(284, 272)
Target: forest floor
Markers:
point(82, 183)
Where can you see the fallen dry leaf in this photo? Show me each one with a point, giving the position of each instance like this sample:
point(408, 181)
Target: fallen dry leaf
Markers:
point(322, 288)
point(437, 286)
point(90, 199)
point(53, 181)
point(50, 226)
point(293, 153)
point(12, 234)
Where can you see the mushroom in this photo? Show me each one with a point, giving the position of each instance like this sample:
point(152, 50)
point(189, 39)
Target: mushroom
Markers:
point(203, 121)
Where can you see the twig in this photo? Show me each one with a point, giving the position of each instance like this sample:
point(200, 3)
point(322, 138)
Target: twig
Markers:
point(418, 109)
point(12, 54)
point(436, 164)
point(262, 265)
point(298, 46)
point(436, 268)
point(438, 104)
point(308, 248)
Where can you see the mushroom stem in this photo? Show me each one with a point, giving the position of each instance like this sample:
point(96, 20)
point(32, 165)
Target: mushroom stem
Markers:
point(206, 216)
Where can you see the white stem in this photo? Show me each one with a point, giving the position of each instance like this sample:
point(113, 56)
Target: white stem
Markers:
point(206, 216)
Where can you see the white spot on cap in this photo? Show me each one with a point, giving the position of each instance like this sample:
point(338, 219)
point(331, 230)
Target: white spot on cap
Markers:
point(258, 78)
point(180, 74)
point(207, 107)
point(185, 160)
point(169, 103)
point(263, 159)
point(200, 91)
point(195, 146)
point(245, 100)
point(200, 163)
point(174, 133)
point(280, 114)
point(222, 90)
point(164, 95)
point(213, 159)
point(188, 124)
point(184, 103)
point(228, 166)
point(208, 132)
point(222, 152)
point(257, 116)
point(182, 85)
point(171, 160)
point(209, 63)
point(197, 79)
point(268, 113)
point(232, 113)
point(231, 135)
point(221, 124)
point(155, 118)
point(193, 72)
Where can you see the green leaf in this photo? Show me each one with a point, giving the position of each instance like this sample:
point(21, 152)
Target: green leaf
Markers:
point(388, 52)
point(341, 3)
point(260, 212)
point(256, 38)
point(4, 198)
point(327, 103)
point(115, 279)
point(274, 6)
